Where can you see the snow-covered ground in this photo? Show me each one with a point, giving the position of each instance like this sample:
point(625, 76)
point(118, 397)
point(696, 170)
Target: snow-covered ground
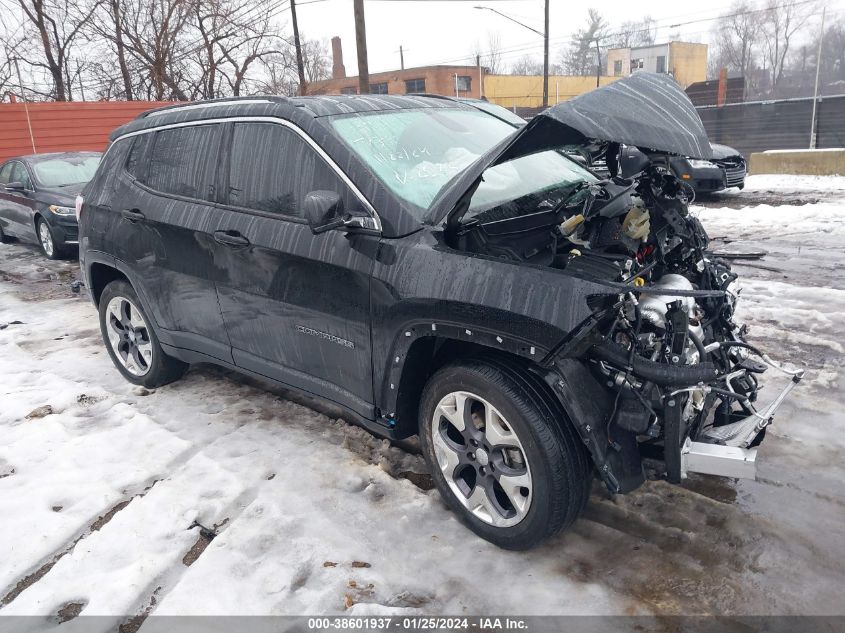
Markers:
point(110, 494)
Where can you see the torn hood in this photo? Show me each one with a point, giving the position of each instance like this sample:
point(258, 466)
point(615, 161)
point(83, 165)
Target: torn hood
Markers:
point(646, 110)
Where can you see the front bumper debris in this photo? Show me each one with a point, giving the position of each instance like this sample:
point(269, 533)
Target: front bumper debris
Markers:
point(726, 451)
point(713, 459)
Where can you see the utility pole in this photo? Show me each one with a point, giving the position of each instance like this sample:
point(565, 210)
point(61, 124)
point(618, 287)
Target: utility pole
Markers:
point(598, 63)
point(544, 35)
point(480, 77)
point(401, 58)
point(361, 42)
point(546, 59)
point(300, 67)
point(816, 90)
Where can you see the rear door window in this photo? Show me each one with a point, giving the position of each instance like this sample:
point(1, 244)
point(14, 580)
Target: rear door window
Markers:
point(5, 173)
point(272, 169)
point(183, 161)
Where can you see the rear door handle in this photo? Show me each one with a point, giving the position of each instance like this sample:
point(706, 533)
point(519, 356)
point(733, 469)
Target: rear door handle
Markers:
point(133, 215)
point(230, 238)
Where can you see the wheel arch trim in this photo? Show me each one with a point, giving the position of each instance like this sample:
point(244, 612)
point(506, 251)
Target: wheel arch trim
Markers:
point(401, 364)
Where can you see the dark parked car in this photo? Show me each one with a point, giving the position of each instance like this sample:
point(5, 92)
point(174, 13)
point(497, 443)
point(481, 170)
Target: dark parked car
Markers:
point(726, 168)
point(435, 271)
point(37, 198)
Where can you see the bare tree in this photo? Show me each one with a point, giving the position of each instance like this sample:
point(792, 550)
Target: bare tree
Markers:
point(781, 22)
point(316, 59)
point(280, 75)
point(232, 38)
point(490, 53)
point(6, 31)
point(5, 72)
point(107, 27)
point(580, 57)
point(738, 36)
point(635, 33)
point(833, 52)
point(152, 32)
point(527, 65)
point(57, 23)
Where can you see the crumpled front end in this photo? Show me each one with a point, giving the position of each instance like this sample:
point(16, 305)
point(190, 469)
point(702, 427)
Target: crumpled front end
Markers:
point(663, 341)
point(662, 367)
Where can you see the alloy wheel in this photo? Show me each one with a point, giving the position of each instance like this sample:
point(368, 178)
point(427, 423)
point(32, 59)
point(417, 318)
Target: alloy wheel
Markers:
point(482, 459)
point(46, 238)
point(129, 336)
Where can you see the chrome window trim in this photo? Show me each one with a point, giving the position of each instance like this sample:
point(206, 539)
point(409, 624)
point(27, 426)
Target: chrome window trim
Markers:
point(279, 121)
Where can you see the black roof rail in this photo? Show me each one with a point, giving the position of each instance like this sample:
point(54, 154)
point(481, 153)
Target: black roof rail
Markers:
point(431, 95)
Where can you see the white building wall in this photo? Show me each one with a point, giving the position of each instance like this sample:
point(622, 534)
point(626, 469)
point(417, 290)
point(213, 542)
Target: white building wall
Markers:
point(649, 55)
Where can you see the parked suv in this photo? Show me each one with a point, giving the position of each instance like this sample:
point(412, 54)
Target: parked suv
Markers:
point(435, 271)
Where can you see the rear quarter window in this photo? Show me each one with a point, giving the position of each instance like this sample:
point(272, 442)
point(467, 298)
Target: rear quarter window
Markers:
point(134, 160)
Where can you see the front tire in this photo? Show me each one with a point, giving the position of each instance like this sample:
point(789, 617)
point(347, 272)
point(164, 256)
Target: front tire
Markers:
point(131, 341)
point(46, 239)
point(501, 452)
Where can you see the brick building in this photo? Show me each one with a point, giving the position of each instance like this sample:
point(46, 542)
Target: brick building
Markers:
point(462, 81)
point(443, 80)
point(511, 91)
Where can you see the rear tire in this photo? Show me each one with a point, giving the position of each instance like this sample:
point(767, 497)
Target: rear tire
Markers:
point(131, 341)
point(517, 473)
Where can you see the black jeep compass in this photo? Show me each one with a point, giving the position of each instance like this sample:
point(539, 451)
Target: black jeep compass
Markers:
point(434, 271)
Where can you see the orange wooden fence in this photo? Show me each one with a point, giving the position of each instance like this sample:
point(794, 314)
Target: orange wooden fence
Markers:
point(64, 126)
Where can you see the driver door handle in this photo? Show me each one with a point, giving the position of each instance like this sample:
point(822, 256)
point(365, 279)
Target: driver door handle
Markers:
point(133, 215)
point(230, 238)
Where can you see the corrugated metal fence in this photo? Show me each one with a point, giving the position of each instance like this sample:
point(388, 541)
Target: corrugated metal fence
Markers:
point(784, 124)
point(64, 126)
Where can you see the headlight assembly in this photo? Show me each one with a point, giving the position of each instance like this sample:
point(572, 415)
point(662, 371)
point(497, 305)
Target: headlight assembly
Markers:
point(698, 164)
point(58, 210)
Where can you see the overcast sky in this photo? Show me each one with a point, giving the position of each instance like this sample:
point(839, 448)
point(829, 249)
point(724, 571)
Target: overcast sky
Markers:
point(443, 31)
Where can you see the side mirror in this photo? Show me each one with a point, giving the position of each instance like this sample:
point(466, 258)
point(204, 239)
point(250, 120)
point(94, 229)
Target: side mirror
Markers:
point(323, 211)
point(15, 186)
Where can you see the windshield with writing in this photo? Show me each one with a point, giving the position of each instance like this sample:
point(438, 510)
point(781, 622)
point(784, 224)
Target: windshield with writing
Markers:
point(415, 152)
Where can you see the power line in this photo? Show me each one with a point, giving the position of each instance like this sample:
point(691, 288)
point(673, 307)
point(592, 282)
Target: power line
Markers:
point(534, 46)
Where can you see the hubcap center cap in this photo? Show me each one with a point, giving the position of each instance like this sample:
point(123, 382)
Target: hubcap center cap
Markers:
point(481, 457)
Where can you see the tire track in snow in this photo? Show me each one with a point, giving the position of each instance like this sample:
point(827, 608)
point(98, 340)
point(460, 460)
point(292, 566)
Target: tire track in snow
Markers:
point(138, 554)
point(98, 524)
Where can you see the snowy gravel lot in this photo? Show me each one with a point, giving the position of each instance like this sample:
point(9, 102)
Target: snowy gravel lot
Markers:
point(214, 495)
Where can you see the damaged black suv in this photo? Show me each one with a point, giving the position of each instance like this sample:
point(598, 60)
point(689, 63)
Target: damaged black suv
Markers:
point(435, 272)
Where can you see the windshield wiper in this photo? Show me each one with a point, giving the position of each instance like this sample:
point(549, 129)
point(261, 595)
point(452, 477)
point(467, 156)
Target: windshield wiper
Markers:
point(579, 186)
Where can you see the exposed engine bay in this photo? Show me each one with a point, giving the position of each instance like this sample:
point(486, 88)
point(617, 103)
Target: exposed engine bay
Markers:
point(663, 338)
